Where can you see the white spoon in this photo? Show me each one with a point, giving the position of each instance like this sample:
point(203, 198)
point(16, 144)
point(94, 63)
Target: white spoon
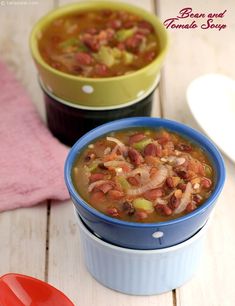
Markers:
point(211, 99)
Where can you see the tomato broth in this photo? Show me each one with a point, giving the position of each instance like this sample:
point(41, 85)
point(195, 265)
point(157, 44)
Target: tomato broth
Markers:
point(99, 43)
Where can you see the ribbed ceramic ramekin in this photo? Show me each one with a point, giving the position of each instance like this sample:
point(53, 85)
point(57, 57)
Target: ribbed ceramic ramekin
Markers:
point(141, 272)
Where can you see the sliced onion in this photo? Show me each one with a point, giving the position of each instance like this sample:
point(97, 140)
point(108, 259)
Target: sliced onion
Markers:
point(161, 201)
point(186, 198)
point(144, 174)
point(120, 145)
point(107, 151)
point(117, 163)
point(175, 160)
point(156, 181)
point(96, 184)
point(117, 141)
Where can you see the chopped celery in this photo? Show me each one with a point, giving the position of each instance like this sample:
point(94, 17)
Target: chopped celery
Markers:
point(122, 35)
point(108, 56)
point(73, 42)
point(141, 203)
point(128, 57)
point(117, 53)
point(69, 42)
point(93, 165)
point(208, 171)
point(142, 144)
point(123, 182)
point(82, 47)
point(105, 56)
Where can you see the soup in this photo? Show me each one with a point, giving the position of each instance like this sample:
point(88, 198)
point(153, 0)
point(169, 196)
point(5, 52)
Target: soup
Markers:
point(99, 43)
point(143, 175)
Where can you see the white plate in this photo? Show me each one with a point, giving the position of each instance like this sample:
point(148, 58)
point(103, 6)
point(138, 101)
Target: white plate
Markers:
point(211, 99)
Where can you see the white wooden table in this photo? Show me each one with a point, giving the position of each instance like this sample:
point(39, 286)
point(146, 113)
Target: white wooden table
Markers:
point(44, 241)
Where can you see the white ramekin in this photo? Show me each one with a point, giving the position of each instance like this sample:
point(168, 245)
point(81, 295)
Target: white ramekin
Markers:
point(141, 272)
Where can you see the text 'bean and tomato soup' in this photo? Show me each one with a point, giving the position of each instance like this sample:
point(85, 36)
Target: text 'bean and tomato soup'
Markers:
point(143, 175)
point(99, 43)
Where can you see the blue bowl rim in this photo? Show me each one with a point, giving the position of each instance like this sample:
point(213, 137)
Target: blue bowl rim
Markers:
point(151, 122)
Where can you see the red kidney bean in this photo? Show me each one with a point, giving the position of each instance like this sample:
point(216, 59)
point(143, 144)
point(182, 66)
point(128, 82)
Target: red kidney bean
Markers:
point(132, 43)
point(115, 24)
point(190, 207)
point(150, 150)
point(112, 211)
point(91, 31)
point(135, 157)
point(164, 138)
point(97, 196)
point(146, 26)
point(136, 138)
point(115, 194)
point(141, 215)
point(105, 187)
point(182, 174)
point(90, 41)
point(150, 55)
point(121, 46)
point(181, 186)
point(173, 202)
point(129, 24)
point(78, 69)
point(169, 182)
point(206, 183)
point(151, 195)
point(101, 69)
point(163, 210)
point(197, 198)
point(104, 36)
point(128, 208)
point(133, 181)
point(184, 147)
point(159, 150)
point(96, 177)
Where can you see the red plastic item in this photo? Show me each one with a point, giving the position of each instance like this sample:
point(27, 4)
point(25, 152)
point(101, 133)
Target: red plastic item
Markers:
point(22, 290)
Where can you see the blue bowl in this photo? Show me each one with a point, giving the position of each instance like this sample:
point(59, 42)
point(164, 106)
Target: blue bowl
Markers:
point(145, 235)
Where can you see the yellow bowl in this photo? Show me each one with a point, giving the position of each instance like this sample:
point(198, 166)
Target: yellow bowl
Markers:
point(98, 92)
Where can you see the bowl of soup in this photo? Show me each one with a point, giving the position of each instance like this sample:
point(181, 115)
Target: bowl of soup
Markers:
point(144, 183)
point(99, 53)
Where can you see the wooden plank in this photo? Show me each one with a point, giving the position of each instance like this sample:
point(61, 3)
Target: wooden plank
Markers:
point(16, 22)
point(192, 53)
point(22, 231)
point(66, 267)
point(23, 240)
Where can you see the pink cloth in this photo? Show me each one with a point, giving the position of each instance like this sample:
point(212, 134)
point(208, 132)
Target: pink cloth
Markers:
point(31, 159)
